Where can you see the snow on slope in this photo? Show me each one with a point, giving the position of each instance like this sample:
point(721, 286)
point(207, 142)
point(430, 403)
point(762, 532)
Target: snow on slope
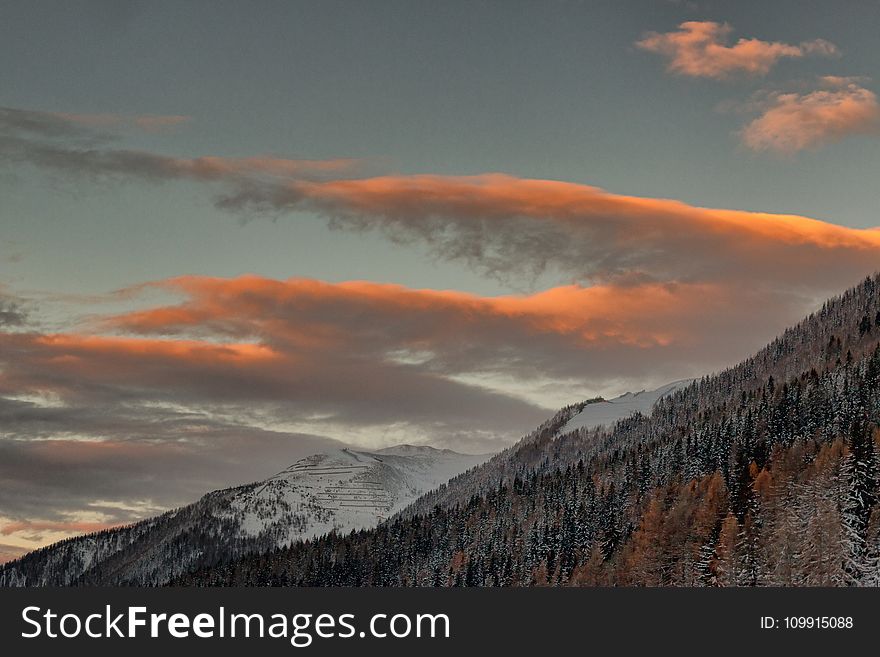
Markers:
point(608, 412)
point(531, 451)
point(342, 490)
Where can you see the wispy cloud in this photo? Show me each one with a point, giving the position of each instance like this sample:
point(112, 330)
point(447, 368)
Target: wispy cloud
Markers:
point(145, 122)
point(64, 124)
point(79, 145)
point(792, 122)
point(700, 49)
point(507, 226)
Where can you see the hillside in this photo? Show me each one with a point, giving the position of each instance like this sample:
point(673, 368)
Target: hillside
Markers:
point(763, 474)
point(528, 453)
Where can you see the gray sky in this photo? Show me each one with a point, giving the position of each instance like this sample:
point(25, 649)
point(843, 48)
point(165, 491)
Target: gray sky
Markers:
point(233, 233)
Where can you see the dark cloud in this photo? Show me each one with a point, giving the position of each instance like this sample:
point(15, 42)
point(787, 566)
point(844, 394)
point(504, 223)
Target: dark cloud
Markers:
point(32, 123)
point(12, 311)
point(324, 389)
point(127, 478)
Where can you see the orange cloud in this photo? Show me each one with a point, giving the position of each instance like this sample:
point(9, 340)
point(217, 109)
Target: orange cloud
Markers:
point(507, 225)
point(793, 122)
point(312, 314)
point(699, 49)
point(242, 361)
point(312, 345)
point(72, 347)
point(72, 365)
point(560, 332)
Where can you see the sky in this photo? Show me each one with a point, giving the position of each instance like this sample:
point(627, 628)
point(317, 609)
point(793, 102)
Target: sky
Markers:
point(233, 234)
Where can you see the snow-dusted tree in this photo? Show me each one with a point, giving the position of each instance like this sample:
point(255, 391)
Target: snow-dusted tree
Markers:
point(860, 472)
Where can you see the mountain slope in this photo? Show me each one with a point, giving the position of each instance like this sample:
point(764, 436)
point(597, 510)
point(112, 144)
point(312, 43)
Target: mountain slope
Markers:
point(764, 474)
point(530, 452)
point(338, 491)
point(601, 412)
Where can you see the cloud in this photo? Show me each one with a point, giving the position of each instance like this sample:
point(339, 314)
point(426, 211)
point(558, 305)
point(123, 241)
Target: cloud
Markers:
point(40, 124)
point(571, 329)
point(699, 49)
point(373, 363)
point(369, 363)
point(792, 122)
point(327, 391)
point(70, 144)
point(517, 227)
point(512, 226)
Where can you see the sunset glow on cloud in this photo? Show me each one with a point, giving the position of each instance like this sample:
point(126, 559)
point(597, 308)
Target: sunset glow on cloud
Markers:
point(700, 49)
point(506, 225)
point(503, 223)
point(792, 122)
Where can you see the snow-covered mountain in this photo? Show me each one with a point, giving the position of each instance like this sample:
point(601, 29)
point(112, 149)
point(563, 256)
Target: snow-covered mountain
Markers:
point(341, 491)
point(338, 491)
point(606, 412)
